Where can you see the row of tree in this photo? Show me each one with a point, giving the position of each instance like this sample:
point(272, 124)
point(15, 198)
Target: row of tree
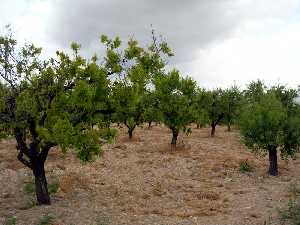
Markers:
point(69, 101)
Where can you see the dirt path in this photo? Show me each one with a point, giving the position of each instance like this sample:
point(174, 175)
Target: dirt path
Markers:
point(143, 182)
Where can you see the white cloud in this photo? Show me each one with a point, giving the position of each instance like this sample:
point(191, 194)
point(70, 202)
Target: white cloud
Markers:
point(273, 57)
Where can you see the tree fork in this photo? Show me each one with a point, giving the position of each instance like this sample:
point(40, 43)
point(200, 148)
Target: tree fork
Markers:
point(174, 138)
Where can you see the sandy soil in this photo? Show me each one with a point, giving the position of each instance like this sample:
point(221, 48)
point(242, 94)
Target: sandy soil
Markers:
point(144, 182)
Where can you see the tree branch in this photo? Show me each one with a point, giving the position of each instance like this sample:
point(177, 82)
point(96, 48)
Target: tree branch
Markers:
point(24, 161)
point(45, 150)
point(21, 144)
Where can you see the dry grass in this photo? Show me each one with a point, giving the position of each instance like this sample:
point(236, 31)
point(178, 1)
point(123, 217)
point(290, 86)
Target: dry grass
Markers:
point(144, 182)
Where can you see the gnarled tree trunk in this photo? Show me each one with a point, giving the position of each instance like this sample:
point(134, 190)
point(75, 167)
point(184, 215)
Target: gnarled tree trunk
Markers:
point(41, 188)
point(130, 132)
point(174, 138)
point(273, 168)
point(35, 160)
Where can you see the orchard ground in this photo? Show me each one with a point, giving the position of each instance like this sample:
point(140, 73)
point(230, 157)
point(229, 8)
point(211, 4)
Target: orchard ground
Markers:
point(143, 182)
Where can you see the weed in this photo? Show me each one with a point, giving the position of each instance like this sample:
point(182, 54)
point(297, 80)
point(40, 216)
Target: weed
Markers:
point(294, 189)
point(102, 220)
point(29, 188)
point(245, 166)
point(46, 220)
point(292, 213)
point(10, 221)
point(53, 187)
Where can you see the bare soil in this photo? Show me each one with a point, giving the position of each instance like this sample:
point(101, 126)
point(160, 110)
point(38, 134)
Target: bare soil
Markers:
point(143, 182)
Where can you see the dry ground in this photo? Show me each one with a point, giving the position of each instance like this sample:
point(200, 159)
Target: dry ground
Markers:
point(143, 182)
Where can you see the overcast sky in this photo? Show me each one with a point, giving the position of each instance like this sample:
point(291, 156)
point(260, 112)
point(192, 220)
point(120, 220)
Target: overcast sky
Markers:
point(217, 42)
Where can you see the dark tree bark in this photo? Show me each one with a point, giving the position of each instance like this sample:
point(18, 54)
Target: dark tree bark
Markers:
point(130, 132)
point(273, 168)
point(213, 129)
point(174, 138)
point(149, 124)
point(214, 123)
point(41, 186)
point(130, 129)
point(35, 160)
point(198, 125)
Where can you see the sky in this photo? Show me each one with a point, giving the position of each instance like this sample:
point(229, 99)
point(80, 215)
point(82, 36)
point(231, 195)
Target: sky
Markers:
point(217, 42)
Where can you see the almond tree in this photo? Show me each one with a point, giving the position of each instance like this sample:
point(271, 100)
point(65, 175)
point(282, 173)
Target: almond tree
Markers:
point(200, 109)
point(266, 126)
point(136, 68)
point(231, 100)
point(215, 108)
point(43, 105)
point(175, 96)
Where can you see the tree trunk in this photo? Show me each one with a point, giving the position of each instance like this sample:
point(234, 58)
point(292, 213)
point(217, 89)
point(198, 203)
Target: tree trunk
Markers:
point(229, 127)
point(213, 129)
point(41, 188)
point(130, 132)
point(149, 124)
point(273, 168)
point(174, 138)
point(198, 125)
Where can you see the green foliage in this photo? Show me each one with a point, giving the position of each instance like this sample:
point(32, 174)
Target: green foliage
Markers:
point(108, 134)
point(214, 106)
point(136, 67)
point(175, 96)
point(232, 101)
point(262, 122)
point(255, 91)
point(245, 166)
point(267, 125)
point(29, 188)
point(128, 103)
point(199, 108)
point(152, 112)
point(10, 221)
point(53, 186)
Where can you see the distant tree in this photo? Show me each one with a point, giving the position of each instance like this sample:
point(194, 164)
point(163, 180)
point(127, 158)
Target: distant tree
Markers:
point(215, 108)
point(255, 91)
point(152, 112)
point(200, 109)
point(129, 106)
point(175, 96)
point(286, 97)
point(267, 127)
point(48, 104)
point(231, 100)
point(136, 68)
